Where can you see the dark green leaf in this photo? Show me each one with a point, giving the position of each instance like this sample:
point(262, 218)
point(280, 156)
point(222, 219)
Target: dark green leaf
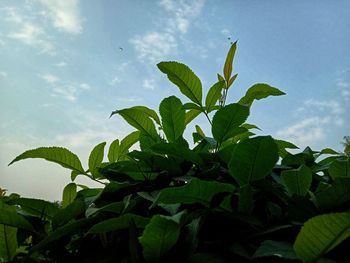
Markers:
point(297, 181)
point(118, 223)
point(96, 158)
point(71, 211)
point(340, 168)
point(227, 120)
point(69, 194)
point(191, 106)
point(129, 141)
point(321, 234)
point(183, 77)
point(139, 120)
point(245, 200)
point(159, 236)
point(278, 249)
point(173, 118)
point(57, 155)
point(36, 207)
point(335, 195)
point(214, 94)
point(258, 92)
point(12, 218)
point(196, 191)
point(253, 159)
point(191, 115)
point(114, 151)
point(8, 241)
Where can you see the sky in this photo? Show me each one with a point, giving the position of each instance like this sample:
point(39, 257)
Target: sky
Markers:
point(65, 65)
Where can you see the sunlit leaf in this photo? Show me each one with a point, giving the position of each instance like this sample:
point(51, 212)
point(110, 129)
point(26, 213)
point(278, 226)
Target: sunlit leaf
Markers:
point(229, 61)
point(96, 158)
point(321, 234)
point(151, 113)
point(214, 94)
point(57, 155)
point(258, 92)
point(173, 118)
point(69, 194)
point(191, 115)
point(183, 77)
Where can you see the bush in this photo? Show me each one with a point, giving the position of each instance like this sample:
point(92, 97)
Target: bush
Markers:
point(232, 197)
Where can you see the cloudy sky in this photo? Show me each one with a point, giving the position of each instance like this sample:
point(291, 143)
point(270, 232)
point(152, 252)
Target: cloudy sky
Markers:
point(65, 65)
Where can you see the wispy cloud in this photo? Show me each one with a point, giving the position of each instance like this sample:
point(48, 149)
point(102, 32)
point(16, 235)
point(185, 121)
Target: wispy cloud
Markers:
point(63, 89)
point(148, 84)
point(306, 132)
point(34, 35)
point(160, 44)
point(344, 88)
point(60, 64)
point(3, 74)
point(129, 99)
point(64, 15)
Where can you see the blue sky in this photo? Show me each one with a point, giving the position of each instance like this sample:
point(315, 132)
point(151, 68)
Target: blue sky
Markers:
point(66, 65)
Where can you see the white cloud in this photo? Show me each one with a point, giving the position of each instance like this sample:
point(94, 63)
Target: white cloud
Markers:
point(61, 64)
point(344, 88)
point(154, 46)
point(3, 74)
point(33, 35)
point(306, 132)
point(148, 84)
point(64, 14)
point(49, 78)
point(331, 106)
point(114, 81)
point(226, 32)
point(129, 99)
point(85, 86)
point(67, 92)
point(12, 15)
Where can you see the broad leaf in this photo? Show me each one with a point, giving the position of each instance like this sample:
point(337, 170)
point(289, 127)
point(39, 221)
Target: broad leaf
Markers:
point(114, 151)
point(173, 118)
point(121, 222)
point(191, 115)
point(270, 248)
point(227, 120)
point(159, 236)
point(69, 194)
point(321, 234)
point(151, 113)
point(139, 120)
point(191, 106)
point(36, 207)
point(8, 237)
point(340, 168)
point(183, 77)
point(258, 92)
point(12, 218)
point(297, 181)
point(177, 150)
point(214, 94)
point(253, 159)
point(57, 155)
point(334, 195)
point(196, 191)
point(96, 158)
point(71, 211)
point(229, 61)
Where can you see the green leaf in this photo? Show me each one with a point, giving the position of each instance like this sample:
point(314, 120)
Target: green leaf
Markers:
point(8, 241)
point(253, 159)
point(12, 218)
point(177, 150)
point(227, 120)
point(114, 151)
point(139, 120)
point(258, 92)
point(36, 207)
point(96, 158)
point(283, 145)
point(159, 236)
point(149, 112)
point(119, 149)
point(69, 194)
point(183, 77)
point(214, 94)
point(229, 61)
point(245, 200)
point(8, 236)
point(173, 118)
point(191, 106)
point(328, 151)
point(270, 248)
point(321, 234)
point(121, 222)
point(334, 195)
point(297, 181)
point(249, 126)
point(71, 211)
point(57, 155)
point(195, 191)
point(339, 168)
point(232, 79)
point(191, 115)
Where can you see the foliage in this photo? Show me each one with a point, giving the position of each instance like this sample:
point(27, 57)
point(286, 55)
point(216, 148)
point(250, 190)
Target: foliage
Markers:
point(231, 197)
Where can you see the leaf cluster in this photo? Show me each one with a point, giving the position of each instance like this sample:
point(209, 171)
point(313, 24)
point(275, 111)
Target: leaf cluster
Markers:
point(230, 196)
